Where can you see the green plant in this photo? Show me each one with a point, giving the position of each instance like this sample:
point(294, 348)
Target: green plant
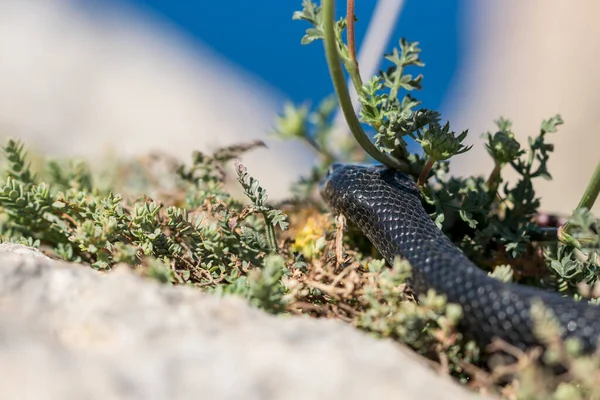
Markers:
point(499, 216)
point(200, 235)
point(493, 222)
point(180, 224)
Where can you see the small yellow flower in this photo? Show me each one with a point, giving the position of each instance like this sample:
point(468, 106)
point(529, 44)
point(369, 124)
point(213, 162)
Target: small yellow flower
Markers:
point(310, 240)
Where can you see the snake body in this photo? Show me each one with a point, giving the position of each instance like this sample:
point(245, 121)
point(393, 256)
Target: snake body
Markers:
point(386, 206)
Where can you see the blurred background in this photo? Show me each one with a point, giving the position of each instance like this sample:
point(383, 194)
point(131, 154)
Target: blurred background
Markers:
point(94, 77)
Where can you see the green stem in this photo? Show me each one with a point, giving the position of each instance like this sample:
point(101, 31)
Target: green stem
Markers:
point(354, 73)
point(567, 239)
point(341, 90)
point(494, 178)
point(493, 182)
point(591, 192)
point(270, 235)
point(319, 150)
point(589, 195)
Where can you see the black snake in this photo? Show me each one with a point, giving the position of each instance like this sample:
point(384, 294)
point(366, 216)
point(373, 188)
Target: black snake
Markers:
point(386, 206)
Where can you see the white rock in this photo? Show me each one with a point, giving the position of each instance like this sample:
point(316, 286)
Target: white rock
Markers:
point(69, 332)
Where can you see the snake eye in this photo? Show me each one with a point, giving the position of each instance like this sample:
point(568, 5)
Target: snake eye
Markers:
point(333, 167)
point(330, 170)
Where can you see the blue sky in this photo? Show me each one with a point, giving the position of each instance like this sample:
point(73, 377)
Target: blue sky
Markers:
point(260, 37)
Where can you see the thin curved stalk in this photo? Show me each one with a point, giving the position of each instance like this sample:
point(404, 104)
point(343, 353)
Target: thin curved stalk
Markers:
point(589, 196)
point(341, 90)
point(591, 192)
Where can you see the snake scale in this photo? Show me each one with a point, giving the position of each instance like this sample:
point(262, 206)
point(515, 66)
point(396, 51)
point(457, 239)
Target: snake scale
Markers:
point(386, 206)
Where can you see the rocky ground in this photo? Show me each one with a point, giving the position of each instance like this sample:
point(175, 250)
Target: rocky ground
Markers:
point(69, 332)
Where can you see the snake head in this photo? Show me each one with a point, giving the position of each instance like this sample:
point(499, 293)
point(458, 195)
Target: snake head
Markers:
point(348, 186)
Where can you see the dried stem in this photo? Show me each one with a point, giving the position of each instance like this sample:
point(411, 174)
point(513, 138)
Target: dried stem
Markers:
point(425, 172)
point(350, 31)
